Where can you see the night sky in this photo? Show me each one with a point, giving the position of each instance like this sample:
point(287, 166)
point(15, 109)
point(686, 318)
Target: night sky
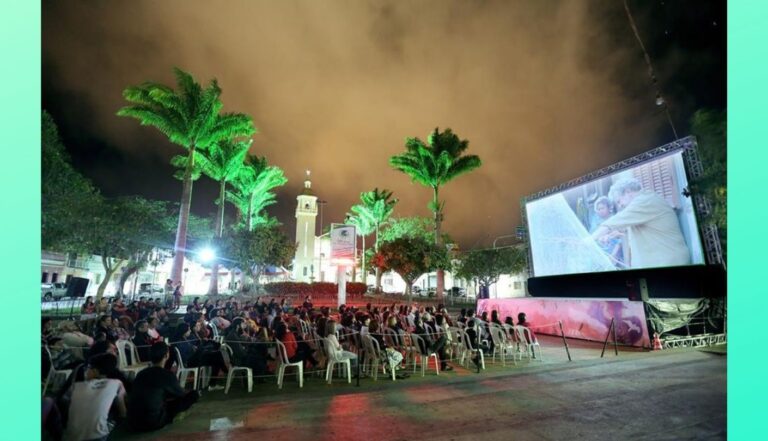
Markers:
point(545, 91)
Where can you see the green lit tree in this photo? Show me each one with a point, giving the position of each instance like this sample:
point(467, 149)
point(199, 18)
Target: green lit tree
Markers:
point(375, 210)
point(223, 163)
point(433, 164)
point(253, 250)
point(252, 191)
point(191, 117)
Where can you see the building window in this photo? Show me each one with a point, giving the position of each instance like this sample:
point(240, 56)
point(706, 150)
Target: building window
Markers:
point(69, 277)
point(54, 277)
point(45, 277)
point(305, 271)
point(517, 285)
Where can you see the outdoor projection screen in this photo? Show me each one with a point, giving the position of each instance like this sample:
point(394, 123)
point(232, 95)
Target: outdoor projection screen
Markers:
point(635, 218)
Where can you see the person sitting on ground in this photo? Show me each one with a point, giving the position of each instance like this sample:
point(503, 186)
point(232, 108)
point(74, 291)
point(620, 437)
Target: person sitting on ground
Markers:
point(142, 340)
point(194, 353)
point(64, 395)
point(157, 397)
point(93, 399)
point(436, 345)
point(521, 321)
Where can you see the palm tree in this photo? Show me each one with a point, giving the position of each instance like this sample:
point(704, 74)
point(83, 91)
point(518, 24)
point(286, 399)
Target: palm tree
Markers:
point(222, 163)
point(377, 207)
point(252, 190)
point(363, 227)
point(434, 164)
point(190, 117)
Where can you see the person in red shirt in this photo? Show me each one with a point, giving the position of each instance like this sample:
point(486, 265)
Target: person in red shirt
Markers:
point(296, 350)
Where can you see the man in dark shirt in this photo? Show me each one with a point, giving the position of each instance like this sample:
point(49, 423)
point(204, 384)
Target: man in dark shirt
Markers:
point(156, 396)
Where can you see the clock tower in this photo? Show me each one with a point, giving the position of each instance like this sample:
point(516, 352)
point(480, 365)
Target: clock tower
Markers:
point(306, 216)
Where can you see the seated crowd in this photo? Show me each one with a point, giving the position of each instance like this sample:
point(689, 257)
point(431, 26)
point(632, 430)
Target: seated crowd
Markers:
point(98, 394)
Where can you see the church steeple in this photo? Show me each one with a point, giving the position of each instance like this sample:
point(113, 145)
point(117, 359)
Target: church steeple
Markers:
point(306, 216)
point(307, 185)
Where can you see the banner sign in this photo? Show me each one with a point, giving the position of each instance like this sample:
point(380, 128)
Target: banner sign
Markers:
point(343, 243)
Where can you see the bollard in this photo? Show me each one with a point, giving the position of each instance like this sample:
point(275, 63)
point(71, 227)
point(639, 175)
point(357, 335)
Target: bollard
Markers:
point(567, 351)
point(607, 336)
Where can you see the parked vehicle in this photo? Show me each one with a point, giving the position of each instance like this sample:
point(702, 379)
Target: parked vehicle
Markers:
point(151, 288)
point(53, 291)
point(458, 292)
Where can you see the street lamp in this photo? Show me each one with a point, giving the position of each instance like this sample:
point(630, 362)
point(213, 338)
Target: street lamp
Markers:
point(207, 255)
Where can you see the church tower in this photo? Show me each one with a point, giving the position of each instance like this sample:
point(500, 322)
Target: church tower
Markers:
point(306, 215)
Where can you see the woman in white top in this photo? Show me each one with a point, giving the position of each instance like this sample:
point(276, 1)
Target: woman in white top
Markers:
point(334, 345)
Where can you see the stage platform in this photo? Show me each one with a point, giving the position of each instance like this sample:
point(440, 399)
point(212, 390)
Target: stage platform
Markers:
point(584, 318)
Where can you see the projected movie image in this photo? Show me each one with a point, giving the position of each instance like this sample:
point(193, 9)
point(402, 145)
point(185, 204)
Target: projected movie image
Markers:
point(636, 218)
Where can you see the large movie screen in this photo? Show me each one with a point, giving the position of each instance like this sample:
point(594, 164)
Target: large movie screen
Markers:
point(635, 218)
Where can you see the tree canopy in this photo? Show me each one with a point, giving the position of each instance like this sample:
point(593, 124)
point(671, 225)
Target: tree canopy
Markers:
point(486, 266)
point(410, 257)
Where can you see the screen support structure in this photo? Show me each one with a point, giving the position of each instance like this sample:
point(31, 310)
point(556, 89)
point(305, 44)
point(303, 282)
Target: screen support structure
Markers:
point(694, 167)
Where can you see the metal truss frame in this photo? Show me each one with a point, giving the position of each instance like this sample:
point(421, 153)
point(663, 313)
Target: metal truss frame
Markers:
point(694, 341)
point(694, 167)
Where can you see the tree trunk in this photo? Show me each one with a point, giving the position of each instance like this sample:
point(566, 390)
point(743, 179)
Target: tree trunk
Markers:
point(110, 266)
point(408, 295)
point(181, 231)
point(249, 225)
point(131, 268)
point(378, 270)
point(439, 242)
point(363, 271)
point(213, 288)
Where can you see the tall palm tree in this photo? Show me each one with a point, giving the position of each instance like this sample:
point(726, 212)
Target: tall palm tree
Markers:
point(363, 227)
point(189, 116)
point(252, 190)
point(376, 207)
point(223, 163)
point(434, 164)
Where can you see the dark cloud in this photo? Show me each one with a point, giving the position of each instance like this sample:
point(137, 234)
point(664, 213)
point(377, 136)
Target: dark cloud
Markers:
point(544, 91)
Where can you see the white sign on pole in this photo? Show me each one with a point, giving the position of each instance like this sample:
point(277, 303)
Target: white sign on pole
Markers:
point(343, 254)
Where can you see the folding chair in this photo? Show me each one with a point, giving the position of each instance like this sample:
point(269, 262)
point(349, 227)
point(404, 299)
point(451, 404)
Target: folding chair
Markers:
point(227, 352)
point(284, 362)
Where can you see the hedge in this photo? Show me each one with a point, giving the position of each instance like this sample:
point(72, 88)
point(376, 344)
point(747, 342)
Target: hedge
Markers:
point(315, 288)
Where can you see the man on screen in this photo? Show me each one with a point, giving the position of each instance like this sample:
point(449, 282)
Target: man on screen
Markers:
point(653, 229)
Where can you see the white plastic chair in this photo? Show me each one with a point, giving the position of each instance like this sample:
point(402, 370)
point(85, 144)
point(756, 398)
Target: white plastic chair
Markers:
point(135, 366)
point(227, 352)
point(284, 363)
point(54, 373)
point(419, 343)
point(525, 340)
point(182, 372)
point(456, 345)
point(502, 345)
point(470, 349)
point(336, 357)
point(374, 355)
point(215, 332)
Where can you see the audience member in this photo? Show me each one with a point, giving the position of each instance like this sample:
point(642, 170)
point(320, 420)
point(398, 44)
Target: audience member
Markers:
point(157, 397)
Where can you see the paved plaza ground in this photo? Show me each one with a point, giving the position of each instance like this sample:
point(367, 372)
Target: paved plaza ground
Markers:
point(665, 395)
